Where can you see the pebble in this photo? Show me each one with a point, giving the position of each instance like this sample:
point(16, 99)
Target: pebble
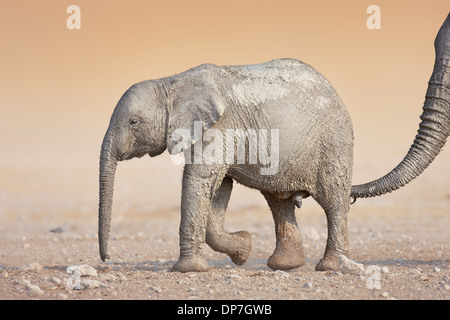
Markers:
point(3, 274)
point(84, 270)
point(444, 286)
point(281, 274)
point(32, 289)
point(61, 296)
point(33, 266)
point(307, 285)
point(55, 280)
point(233, 276)
point(90, 284)
point(156, 289)
point(109, 277)
point(121, 277)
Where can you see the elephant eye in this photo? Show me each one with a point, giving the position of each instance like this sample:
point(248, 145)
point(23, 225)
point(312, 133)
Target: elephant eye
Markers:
point(134, 122)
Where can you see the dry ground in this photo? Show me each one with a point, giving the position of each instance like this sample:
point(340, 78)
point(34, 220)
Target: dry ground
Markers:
point(405, 247)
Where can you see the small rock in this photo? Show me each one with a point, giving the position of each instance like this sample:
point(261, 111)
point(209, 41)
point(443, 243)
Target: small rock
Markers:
point(90, 284)
point(33, 266)
point(404, 237)
point(61, 296)
point(3, 274)
point(444, 286)
point(425, 277)
point(156, 289)
point(437, 269)
point(385, 295)
point(233, 276)
point(24, 244)
point(121, 277)
point(59, 229)
point(82, 270)
point(376, 235)
point(33, 290)
point(87, 270)
point(282, 274)
point(307, 285)
point(55, 280)
point(384, 269)
point(109, 277)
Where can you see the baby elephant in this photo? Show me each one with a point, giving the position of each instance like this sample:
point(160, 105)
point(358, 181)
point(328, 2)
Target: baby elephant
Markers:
point(278, 127)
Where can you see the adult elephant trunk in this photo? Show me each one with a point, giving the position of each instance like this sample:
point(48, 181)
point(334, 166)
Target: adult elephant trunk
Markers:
point(108, 164)
point(434, 127)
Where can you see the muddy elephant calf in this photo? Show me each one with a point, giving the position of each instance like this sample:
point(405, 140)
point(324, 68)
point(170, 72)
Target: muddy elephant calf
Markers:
point(278, 127)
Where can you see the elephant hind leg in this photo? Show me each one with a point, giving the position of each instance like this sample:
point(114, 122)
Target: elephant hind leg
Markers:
point(236, 245)
point(336, 251)
point(288, 253)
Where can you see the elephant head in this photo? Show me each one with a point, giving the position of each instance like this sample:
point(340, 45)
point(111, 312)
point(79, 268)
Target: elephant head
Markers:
point(434, 127)
point(143, 122)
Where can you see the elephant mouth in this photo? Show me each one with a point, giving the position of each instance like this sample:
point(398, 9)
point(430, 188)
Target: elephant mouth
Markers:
point(133, 154)
point(139, 153)
point(156, 152)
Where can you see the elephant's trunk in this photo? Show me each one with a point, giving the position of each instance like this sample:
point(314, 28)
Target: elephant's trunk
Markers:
point(434, 127)
point(108, 164)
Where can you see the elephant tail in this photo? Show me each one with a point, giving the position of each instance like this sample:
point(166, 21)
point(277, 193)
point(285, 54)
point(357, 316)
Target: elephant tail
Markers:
point(433, 131)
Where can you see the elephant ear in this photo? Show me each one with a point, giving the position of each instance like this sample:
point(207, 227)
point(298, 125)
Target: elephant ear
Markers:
point(197, 103)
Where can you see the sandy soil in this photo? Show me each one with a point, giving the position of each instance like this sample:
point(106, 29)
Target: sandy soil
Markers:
point(402, 239)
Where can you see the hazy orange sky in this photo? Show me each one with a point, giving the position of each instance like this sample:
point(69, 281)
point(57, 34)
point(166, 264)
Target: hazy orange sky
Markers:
point(59, 86)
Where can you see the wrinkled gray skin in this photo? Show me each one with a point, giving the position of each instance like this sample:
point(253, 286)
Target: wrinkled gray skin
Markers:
point(315, 151)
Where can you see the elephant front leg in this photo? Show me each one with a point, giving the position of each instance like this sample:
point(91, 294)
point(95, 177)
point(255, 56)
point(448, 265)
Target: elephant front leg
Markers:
point(288, 252)
point(195, 209)
point(236, 245)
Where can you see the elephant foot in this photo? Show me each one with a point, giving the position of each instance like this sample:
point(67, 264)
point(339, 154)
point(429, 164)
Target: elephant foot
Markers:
point(241, 245)
point(236, 245)
point(190, 264)
point(340, 263)
point(286, 257)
